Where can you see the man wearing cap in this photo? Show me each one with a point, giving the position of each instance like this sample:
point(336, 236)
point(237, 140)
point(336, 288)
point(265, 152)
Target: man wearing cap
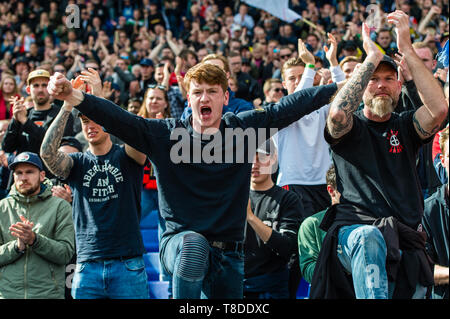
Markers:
point(147, 78)
point(27, 128)
point(36, 235)
point(375, 233)
point(273, 218)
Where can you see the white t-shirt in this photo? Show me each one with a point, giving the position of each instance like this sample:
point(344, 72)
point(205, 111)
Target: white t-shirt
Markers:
point(303, 153)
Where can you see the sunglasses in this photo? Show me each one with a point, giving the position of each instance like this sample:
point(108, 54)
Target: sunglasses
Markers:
point(161, 87)
point(278, 90)
point(286, 56)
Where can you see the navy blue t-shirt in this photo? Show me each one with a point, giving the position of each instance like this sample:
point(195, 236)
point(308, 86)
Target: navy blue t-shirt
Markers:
point(106, 204)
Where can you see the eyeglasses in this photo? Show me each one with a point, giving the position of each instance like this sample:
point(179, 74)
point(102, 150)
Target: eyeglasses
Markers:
point(278, 90)
point(286, 56)
point(159, 86)
point(59, 70)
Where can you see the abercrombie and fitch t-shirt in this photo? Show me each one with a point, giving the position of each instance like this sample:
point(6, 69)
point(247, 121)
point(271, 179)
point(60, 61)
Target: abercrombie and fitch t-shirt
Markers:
point(106, 204)
point(376, 167)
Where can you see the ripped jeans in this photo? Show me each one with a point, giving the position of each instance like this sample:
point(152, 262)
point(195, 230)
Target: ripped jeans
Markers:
point(201, 271)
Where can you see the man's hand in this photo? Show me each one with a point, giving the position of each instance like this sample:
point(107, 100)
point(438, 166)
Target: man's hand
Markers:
point(19, 109)
point(401, 22)
point(59, 87)
point(304, 54)
point(23, 231)
point(62, 192)
point(91, 77)
point(368, 45)
point(403, 66)
point(331, 51)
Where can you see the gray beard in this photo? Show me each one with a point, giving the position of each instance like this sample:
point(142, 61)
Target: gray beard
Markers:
point(381, 106)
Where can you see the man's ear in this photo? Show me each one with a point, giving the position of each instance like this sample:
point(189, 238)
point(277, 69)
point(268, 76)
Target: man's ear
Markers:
point(41, 176)
point(28, 89)
point(226, 97)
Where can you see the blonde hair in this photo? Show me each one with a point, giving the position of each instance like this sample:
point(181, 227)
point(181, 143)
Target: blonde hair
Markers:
point(206, 73)
point(292, 62)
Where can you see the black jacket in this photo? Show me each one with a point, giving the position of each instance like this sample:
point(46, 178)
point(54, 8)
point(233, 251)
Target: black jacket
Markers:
point(28, 137)
point(330, 281)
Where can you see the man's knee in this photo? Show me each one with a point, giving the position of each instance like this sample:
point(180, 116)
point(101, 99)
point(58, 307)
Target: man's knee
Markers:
point(370, 239)
point(194, 257)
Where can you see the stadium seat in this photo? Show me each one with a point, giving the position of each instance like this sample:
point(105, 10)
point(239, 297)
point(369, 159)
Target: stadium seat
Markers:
point(158, 289)
point(303, 289)
point(150, 221)
point(150, 238)
point(152, 266)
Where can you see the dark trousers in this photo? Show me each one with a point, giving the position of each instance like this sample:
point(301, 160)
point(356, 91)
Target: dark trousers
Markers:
point(315, 198)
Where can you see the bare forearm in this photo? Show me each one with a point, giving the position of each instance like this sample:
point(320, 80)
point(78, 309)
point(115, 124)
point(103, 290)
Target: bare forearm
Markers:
point(57, 162)
point(347, 100)
point(428, 87)
point(440, 275)
point(262, 230)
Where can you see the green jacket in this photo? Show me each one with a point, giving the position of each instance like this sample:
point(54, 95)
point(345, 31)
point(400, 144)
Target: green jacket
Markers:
point(310, 238)
point(40, 271)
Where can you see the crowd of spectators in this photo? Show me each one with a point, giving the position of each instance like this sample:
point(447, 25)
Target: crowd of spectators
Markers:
point(136, 45)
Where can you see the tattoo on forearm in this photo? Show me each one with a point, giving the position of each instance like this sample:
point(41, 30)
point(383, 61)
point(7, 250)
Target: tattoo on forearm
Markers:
point(57, 162)
point(349, 98)
point(421, 130)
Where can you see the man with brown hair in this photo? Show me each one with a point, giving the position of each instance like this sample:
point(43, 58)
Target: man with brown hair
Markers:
point(202, 201)
point(235, 105)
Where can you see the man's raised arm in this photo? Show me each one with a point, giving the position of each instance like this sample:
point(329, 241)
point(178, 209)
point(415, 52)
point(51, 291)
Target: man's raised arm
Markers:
point(59, 163)
point(347, 100)
point(428, 118)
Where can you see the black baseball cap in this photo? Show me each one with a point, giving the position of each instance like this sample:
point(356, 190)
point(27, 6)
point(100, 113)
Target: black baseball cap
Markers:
point(26, 158)
point(390, 62)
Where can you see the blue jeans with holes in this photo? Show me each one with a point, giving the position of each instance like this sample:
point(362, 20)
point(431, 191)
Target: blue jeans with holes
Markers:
point(207, 273)
point(113, 279)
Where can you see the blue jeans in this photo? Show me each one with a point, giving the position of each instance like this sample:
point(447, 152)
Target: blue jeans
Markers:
point(114, 279)
point(362, 251)
point(201, 271)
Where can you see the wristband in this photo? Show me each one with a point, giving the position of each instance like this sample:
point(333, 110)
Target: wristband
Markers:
point(16, 248)
point(311, 66)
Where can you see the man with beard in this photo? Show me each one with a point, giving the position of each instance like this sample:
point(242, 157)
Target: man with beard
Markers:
point(36, 235)
point(375, 233)
point(27, 128)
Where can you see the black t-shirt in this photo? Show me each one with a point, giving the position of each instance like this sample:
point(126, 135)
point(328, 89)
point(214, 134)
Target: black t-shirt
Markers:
point(376, 167)
point(281, 210)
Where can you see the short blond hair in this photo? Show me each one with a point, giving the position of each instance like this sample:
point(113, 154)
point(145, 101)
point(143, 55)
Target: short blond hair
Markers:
point(292, 62)
point(206, 73)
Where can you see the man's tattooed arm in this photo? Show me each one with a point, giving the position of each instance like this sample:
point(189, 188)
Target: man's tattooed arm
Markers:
point(347, 100)
point(58, 163)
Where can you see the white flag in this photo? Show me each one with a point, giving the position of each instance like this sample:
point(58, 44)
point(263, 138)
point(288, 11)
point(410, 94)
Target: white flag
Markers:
point(277, 8)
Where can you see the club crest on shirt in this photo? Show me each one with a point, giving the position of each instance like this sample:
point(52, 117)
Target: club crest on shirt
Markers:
point(394, 142)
